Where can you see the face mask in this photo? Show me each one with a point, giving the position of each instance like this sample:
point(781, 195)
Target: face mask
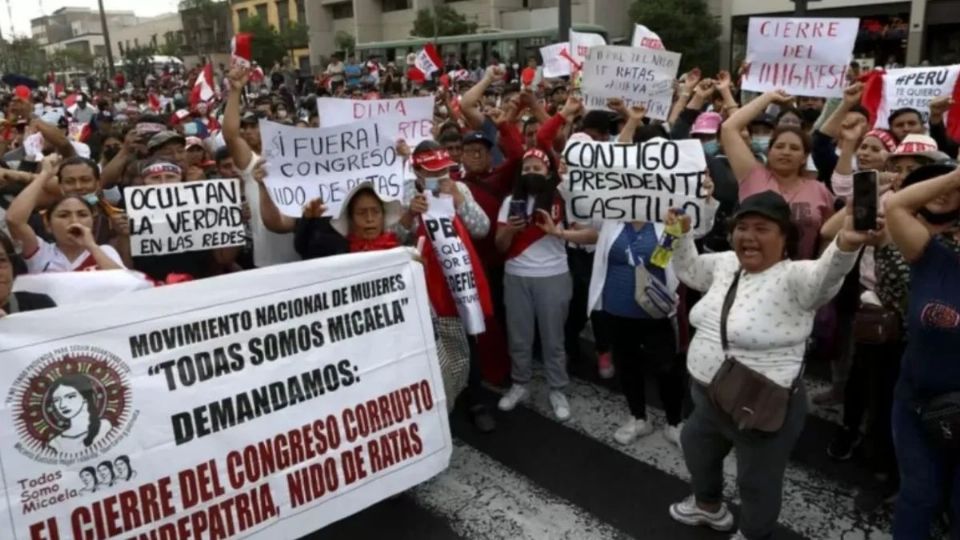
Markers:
point(433, 184)
point(177, 96)
point(760, 143)
point(711, 148)
point(939, 218)
point(281, 114)
point(91, 199)
point(535, 183)
point(112, 195)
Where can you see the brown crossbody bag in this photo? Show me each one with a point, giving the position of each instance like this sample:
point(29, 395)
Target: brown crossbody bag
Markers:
point(752, 400)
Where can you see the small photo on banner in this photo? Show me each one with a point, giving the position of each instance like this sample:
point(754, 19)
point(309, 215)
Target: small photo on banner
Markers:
point(187, 216)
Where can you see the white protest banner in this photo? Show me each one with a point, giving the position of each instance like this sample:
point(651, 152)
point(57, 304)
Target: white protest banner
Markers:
point(306, 163)
point(638, 76)
point(449, 248)
point(66, 288)
point(410, 119)
point(805, 57)
point(635, 182)
point(581, 43)
point(914, 88)
point(556, 60)
point(644, 37)
point(263, 404)
point(185, 216)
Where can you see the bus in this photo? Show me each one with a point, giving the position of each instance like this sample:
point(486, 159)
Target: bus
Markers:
point(514, 46)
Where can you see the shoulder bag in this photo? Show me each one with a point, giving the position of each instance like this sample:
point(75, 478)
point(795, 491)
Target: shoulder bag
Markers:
point(876, 325)
point(753, 401)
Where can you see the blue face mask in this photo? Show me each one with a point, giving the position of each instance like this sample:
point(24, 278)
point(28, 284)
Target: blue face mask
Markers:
point(112, 195)
point(91, 199)
point(760, 143)
point(433, 184)
point(711, 148)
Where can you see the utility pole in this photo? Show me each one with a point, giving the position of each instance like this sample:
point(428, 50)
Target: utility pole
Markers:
point(565, 21)
point(106, 39)
point(800, 8)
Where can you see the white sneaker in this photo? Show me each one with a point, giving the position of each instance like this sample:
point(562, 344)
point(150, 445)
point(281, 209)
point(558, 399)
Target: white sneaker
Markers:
point(688, 513)
point(672, 434)
point(561, 407)
point(630, 431)
point(516, 394)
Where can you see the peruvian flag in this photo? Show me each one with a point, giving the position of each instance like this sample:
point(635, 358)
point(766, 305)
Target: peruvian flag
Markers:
point(240, 49)
point(428, 60)
point(203, 88)
point(153, 102)
point(885, 91)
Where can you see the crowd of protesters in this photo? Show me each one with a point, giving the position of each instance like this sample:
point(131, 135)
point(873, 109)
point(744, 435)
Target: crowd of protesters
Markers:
point(781, 278)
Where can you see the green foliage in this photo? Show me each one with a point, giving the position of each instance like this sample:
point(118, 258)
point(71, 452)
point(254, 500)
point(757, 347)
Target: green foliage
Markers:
point(685, 26)
point(442, 20)
point(70, 59)
point(344, 41)
point(295, 36)
point(267, 44)
point(23, 56)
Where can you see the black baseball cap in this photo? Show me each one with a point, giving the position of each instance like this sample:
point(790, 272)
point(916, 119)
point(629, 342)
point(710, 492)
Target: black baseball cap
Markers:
point(929, 171)
point(768, 204)
point(477, 137)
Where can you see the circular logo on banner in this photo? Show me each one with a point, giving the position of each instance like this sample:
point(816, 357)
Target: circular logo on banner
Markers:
point(72, 404)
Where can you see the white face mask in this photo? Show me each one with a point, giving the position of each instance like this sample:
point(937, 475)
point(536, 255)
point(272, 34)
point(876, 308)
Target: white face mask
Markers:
point(433, 184)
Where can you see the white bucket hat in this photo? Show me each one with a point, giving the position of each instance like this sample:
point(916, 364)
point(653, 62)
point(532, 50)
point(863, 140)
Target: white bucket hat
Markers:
point(392, 210)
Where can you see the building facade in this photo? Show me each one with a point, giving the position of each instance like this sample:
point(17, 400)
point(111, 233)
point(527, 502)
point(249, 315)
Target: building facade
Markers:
point(78, 29)
point(390, 20)
point(280, 14)
point(164, 33)
point(207, 32)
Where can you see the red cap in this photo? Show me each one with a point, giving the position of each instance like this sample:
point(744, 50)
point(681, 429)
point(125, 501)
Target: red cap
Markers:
point(433, 160)
point(537, 153)
point(22, 92)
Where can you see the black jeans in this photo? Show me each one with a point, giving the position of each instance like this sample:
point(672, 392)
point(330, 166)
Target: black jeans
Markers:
point(581, 268)
point(639, 344)
point(869, 393)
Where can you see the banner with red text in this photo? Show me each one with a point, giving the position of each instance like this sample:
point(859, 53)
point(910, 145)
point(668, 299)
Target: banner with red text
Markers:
point(410, 119)
point(264, 404)
point(805, 57)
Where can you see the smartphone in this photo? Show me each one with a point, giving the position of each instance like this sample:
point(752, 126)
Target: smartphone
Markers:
point(865, 200)
point(518, 208)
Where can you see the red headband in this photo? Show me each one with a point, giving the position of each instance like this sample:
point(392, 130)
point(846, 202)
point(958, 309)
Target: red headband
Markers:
point(160, 168)
point(537, 154)
point(884, 137)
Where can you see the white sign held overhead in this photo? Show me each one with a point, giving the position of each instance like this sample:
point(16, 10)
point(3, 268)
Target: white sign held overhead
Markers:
point(308, 163)
point(410, 119)
point(805, 57)
point(636, 75)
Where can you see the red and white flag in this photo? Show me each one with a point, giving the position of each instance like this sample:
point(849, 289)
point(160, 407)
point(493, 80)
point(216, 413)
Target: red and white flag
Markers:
point(241, 51)
point(203, 88)
point(428, 60)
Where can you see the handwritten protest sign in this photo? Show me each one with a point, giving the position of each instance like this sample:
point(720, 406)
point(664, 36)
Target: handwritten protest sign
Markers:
point(644, 37)
point(635, 182)
point(187, 216)
point(306, 163)
point(581, 43)
point(805, 57)
point(914, 88)
point(638, 76)
point(455, 260)
point(410, 119)
point(556, 60)
point(263, 404)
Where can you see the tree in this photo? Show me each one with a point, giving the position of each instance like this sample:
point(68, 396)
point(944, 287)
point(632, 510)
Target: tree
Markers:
point(442, 20)
point(344, 41)
point(266, 43)
point(685, 26)
point(23, 56)
point(295, 36)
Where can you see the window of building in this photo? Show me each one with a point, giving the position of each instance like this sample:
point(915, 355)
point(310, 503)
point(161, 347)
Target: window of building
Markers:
point(242, 14)
point(302, 11)
point(262, 11)
point(395, 5)
point(342, 11)
point(283, 14)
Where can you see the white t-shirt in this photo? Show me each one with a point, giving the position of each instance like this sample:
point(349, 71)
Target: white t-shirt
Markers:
point(545, 256)
point(269, 248)
point(49, 258)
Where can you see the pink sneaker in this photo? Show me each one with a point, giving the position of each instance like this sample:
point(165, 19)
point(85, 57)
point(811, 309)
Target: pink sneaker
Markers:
point(605, 366)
